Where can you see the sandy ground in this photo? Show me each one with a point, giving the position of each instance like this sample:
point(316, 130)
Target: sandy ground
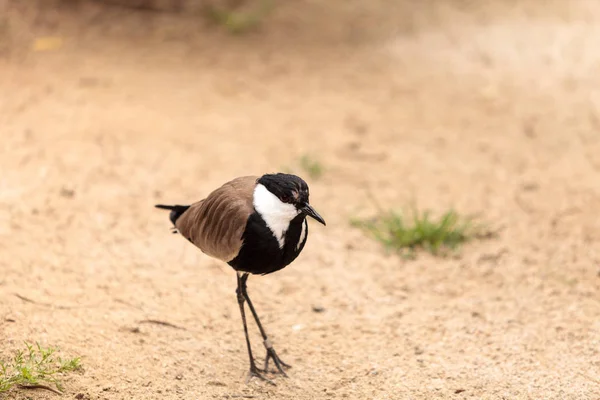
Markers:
point(490, 107)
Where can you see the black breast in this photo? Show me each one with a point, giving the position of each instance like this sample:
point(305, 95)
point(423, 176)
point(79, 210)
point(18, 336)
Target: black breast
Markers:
point(260, 253)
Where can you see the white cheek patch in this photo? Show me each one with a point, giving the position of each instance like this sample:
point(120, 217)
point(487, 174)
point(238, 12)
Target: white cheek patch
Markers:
point(277, 214)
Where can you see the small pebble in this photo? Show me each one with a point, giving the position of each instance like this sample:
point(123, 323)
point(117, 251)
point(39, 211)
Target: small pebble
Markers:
point(318, 309)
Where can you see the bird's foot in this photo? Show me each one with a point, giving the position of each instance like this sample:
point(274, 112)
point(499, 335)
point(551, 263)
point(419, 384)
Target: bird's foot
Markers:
point(256, 373)
point(272, 355)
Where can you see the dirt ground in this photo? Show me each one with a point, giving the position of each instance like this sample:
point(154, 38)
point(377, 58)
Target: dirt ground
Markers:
point(490, 107)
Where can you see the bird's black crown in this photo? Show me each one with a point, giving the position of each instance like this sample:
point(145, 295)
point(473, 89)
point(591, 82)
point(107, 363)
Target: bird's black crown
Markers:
point(287, 187)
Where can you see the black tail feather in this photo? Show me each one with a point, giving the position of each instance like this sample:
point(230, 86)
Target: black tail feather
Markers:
point(176, 211)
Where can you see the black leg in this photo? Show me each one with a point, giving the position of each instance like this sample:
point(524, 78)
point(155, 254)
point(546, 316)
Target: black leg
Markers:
point(254, 371)
point(271, 354)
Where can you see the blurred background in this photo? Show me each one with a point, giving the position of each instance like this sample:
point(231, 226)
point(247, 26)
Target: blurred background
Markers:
point(491, 108)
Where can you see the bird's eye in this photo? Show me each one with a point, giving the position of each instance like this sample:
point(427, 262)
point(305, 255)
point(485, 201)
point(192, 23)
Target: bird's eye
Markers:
point(285, 199)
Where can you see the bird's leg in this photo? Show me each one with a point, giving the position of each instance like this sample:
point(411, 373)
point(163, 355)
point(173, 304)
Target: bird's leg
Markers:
point(271, 354)
point(254, 371)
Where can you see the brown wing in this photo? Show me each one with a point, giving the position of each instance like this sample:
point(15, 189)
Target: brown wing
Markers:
point(216, 224)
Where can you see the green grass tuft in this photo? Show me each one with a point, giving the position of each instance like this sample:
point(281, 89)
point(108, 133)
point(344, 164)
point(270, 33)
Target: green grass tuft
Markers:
point(313, 167)
point(421, 231)
point(239, 22)
point(35, 366)
point(305, 165)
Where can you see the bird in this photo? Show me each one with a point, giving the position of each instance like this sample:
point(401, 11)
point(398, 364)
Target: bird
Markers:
point(255, 224)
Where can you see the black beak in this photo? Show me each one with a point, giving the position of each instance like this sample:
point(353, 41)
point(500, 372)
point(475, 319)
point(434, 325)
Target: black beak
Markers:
point(308, 210)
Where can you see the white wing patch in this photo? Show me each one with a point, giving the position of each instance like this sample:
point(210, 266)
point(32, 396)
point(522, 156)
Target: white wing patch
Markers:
point(302, 234)
point(276, 214)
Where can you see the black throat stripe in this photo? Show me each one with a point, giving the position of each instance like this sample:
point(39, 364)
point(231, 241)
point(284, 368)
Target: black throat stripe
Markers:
point(260, 252)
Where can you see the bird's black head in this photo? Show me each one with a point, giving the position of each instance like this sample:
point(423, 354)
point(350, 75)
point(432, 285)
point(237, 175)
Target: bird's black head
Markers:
point(290, 189)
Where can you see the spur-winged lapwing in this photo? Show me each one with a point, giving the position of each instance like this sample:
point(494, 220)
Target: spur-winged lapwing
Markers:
point(257, 225)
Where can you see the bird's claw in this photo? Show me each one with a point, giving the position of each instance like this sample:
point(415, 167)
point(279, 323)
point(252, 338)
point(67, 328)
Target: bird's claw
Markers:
point(271, 354)
point(256, 373)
